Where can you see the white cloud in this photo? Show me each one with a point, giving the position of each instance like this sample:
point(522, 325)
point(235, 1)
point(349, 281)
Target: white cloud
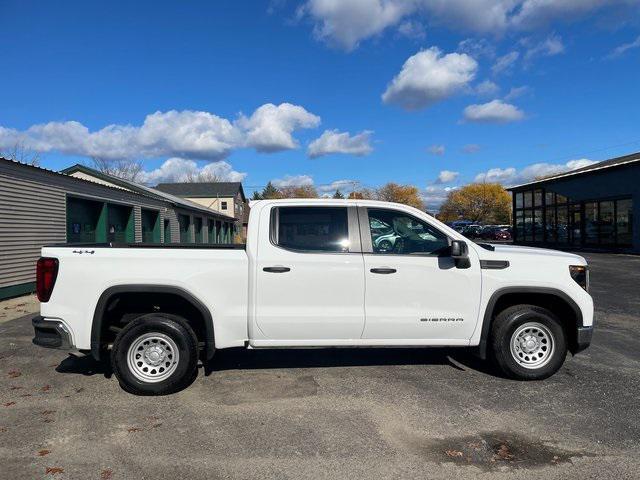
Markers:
point(621, 49)
point(550, 46)
point(435, 195)
point(436, 149)
point(516, 92)
point(270, 127)
point(447, 176)
point(495, 111)
point(428, 77)
point(477, 48)
point(487, 88)
point(345, 23)
point(345, 186)
point(180, 169)
point(293, 181)
point(333, 141)
point(539, 13)
point(185, 134)
point(511, 175)
point(505, 63)
point(471, 148)
point(411, 29)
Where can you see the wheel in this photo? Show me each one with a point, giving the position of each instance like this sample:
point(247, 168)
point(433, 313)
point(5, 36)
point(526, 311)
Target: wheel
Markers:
point(155, 355)
point(385, 246)
point(528, 342)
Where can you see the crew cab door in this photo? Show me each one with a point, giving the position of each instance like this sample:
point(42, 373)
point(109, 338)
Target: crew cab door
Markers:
point(414, 290)
point(309, 276)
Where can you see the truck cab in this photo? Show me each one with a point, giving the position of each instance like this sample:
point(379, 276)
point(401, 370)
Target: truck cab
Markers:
point(316, 273)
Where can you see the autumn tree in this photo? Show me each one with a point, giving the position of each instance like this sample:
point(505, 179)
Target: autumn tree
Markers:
point(406, 194)
point(478, 202)
point(300, 191)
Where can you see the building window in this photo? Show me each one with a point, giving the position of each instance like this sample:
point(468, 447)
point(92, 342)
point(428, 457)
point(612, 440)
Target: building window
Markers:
point(537, 198)
point(519, 200)
point(606, 223)
point(624, 222)
point(591, 223)
point(223, 205)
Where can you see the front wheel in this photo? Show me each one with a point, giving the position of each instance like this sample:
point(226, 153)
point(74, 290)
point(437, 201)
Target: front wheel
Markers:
point(528, 342)
point(155, 355)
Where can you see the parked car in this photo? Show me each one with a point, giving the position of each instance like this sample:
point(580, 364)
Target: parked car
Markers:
point(310, 275)
point(496, 232)
point(472, 231)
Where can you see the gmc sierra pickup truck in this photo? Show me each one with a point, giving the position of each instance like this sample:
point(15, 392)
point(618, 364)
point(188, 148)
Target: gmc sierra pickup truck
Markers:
point(313, 273)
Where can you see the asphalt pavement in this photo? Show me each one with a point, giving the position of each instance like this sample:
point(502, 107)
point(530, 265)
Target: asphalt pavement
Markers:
point(313, 414)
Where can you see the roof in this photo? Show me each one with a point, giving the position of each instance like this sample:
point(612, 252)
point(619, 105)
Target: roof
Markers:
point(613, 162)
point(203, 189)
point(142, 189)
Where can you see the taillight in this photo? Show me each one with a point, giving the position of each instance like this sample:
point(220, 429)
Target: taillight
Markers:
point(46, 273)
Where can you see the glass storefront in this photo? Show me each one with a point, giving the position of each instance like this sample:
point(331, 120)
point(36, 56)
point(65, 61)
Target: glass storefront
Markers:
point(546, 217)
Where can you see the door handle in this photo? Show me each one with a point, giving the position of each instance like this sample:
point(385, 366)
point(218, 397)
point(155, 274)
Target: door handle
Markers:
point(383, 270)
point(276, 269)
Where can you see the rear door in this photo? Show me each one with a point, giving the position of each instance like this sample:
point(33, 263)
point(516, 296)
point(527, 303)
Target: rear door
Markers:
point(413, 289)
point(310, 283)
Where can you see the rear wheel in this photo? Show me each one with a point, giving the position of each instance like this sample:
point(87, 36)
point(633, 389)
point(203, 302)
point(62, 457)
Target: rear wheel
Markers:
point(528, 342)
point(155, 355)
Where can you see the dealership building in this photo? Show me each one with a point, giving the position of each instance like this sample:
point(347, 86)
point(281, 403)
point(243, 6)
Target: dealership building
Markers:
point(81, 205)
point(596, 207)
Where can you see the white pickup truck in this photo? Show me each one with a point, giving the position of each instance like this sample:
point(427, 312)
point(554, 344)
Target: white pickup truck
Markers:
point(313, 273)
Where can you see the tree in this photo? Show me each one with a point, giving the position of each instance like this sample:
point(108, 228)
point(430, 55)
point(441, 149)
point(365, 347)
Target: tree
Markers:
point(256, 195)
point(19, 153)
point(270, 192)
point(202, 177)
point(406, 194)
point(301, 191)
point(338, 194)
point(363, 194)
point(478, 202)
point(125, 168)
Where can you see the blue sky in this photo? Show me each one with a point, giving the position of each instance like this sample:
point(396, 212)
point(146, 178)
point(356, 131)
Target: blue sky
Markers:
point(431, 93)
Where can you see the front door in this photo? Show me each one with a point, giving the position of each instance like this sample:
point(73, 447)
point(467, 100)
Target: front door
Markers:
point(413, 289)
point(310, 286)
point(575, 225)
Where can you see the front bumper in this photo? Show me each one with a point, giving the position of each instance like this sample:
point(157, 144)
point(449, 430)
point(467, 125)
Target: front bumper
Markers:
point(51, 334)
point(583, 338)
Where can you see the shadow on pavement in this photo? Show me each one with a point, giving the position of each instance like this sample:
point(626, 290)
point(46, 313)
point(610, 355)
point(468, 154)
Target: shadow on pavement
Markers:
point(84, 365)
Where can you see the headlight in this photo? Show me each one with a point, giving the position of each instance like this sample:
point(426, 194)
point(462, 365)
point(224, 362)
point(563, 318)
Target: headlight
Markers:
point(580, 273)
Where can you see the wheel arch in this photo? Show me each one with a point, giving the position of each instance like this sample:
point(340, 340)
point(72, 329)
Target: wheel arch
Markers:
point(507, 296)
point(114, 291)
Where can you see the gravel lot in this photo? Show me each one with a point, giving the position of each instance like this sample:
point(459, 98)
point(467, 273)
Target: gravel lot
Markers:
point(379, 413)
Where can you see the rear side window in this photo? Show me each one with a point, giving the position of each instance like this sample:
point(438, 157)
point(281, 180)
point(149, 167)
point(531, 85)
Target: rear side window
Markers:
point(320, 229)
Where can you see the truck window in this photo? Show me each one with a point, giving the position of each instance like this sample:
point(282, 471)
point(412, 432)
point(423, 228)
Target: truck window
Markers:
point(396, 232)
point(321, 229)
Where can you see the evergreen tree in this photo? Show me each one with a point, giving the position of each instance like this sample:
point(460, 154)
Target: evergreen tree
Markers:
point(338, 194)
point(270, 192)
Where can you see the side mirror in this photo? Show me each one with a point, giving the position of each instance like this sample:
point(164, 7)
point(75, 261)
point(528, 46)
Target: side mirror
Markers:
point(460, 253)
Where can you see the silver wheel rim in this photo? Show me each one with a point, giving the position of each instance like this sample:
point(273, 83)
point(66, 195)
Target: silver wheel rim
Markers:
point(153, 357)
point(532, 345)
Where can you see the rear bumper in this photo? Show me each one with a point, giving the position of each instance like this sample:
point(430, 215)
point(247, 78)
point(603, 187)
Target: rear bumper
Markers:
point(51, 334)
point(583, 338)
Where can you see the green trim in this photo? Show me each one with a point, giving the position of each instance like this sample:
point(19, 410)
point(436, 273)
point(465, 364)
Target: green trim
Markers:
point(17, 290)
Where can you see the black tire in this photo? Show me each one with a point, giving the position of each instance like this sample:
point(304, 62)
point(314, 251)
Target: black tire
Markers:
point(533, 323)
point(174, 333)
